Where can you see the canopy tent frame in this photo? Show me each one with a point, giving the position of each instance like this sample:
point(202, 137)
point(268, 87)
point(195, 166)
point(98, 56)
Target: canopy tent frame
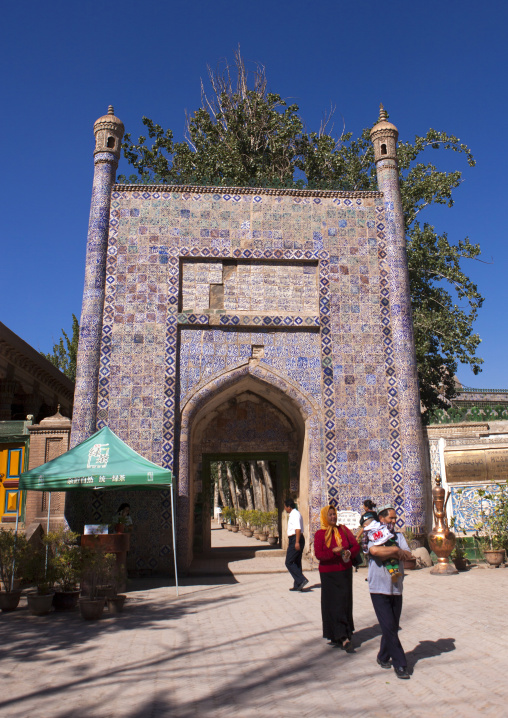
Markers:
point(49, 477)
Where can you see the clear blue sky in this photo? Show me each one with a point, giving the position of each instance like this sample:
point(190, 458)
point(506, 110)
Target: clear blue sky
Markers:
point(433, 64)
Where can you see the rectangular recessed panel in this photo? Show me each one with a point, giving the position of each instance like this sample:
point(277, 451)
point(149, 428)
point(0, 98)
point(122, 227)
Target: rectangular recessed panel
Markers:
point(262, 287)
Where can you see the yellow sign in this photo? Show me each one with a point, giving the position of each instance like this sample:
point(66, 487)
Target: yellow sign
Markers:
point(476, 465)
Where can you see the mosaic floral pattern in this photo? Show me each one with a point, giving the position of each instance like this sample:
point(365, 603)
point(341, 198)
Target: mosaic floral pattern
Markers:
point(467, 505)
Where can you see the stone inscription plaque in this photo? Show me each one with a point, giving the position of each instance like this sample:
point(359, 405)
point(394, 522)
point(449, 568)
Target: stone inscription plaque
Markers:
point(482, 465)
point(497, 464)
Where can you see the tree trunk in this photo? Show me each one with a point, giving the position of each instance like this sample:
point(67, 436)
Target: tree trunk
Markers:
point(246, 486)
point(270, 493)
point(219, 483)
point(256, 487)
point(215, 496)
point(232, 487)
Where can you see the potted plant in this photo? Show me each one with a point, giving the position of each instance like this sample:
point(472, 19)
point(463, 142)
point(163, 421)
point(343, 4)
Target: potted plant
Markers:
point(66, 556)
point(492, 531)
point(119, 525)
point(12, 549)
point(113, 579)
point(248, 523)
point(95, 565)
point(256, 522)
point(273, 525)
point(264, 519)
point(38, 569)
point(234, 519)
point(459, 559)
point(227, 515)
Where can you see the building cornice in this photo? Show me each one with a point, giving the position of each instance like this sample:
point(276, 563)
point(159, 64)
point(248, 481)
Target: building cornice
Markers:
point(21, 354)
point(283, 192)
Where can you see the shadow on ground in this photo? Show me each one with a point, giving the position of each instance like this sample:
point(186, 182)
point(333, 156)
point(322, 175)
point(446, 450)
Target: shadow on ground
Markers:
point(429, 649)
point(29, 638)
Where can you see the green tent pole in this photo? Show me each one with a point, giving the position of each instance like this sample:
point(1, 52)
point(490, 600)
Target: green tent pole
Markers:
point(173, 530)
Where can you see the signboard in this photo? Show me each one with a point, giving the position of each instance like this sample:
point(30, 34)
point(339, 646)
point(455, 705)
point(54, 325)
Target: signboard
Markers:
point(351, 519)
point(465, 466)
point(497, 464)
point(476, 465)
point(95, 529)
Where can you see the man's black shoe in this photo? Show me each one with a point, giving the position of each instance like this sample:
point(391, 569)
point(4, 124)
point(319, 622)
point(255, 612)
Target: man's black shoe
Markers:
point(383, 664)
point(303, 584)
point(402, 673)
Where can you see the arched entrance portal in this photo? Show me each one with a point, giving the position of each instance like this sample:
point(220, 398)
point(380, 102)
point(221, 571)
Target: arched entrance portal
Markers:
point(250, 411)
point(249, 431)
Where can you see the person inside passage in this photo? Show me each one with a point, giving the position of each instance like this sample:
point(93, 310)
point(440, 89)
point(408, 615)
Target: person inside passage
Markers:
point(386, 595)
point(296, 544)
point(334, 547)
point(123, 516)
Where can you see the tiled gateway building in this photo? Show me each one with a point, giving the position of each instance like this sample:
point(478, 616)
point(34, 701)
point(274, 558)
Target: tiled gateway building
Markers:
point(223, 322)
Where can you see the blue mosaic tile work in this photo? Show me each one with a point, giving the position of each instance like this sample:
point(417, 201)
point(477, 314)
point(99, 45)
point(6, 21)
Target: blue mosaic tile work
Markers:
point(408, 464)
point(85, 397)
point(331, 348)
point(205, 354)
point(466, 505)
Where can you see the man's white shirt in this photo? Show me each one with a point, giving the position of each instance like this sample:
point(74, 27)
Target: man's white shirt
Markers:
point(295, 521)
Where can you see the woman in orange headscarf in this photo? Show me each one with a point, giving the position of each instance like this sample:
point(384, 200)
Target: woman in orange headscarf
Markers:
point(334, 547)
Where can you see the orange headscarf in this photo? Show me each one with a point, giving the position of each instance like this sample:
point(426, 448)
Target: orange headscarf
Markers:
point(329, 528)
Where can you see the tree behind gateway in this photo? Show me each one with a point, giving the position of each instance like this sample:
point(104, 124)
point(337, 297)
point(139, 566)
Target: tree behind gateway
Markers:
point(244, 135)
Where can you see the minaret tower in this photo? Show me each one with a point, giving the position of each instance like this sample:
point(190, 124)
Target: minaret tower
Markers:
point(108, 132)
point(411, 502)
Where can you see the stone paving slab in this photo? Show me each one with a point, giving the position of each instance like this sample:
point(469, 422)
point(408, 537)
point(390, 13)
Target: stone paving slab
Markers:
point(248, 647)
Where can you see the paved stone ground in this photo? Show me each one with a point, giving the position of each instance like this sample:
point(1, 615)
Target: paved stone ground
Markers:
point(233, 554)
point(247, 647)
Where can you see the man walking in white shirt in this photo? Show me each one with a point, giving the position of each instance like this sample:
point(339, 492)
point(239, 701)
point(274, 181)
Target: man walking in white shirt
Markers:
point(296, 545)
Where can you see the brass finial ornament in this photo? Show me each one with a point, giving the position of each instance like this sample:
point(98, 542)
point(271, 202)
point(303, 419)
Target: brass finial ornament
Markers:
point(441, 539)
point(383, 114)
point(111, 110)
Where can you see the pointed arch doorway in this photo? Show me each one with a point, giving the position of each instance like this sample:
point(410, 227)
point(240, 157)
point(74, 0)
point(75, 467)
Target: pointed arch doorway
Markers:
point(250, 410)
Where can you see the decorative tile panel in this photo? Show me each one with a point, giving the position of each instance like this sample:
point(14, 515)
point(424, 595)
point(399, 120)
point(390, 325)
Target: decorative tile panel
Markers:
point(201, 281)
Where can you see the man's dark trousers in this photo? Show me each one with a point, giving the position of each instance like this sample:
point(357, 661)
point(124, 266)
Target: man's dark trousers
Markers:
point(388, 610)
point(294, 560)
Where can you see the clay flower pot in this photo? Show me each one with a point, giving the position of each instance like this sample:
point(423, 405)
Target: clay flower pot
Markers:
point(248, 533)
point(9, 600)
point(273, 540)
point(235, 529)
point(65, 600)
point(263, 537)
point(91, 608)
point(40, 605)
point(494, 557)
point(115, 603)
point(460, 563)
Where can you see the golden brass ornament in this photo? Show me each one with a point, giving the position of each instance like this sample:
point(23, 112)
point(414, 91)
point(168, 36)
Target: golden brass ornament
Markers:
point(441, 539)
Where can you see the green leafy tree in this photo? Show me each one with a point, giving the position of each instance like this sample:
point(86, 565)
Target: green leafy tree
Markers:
point(65, 353)
point(244, 135)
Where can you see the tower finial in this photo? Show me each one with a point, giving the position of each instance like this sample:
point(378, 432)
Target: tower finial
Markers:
point(383, 115)
point(111, 110)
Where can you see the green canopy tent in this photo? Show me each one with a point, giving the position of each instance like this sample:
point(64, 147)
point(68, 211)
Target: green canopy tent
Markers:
point(100, 463)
